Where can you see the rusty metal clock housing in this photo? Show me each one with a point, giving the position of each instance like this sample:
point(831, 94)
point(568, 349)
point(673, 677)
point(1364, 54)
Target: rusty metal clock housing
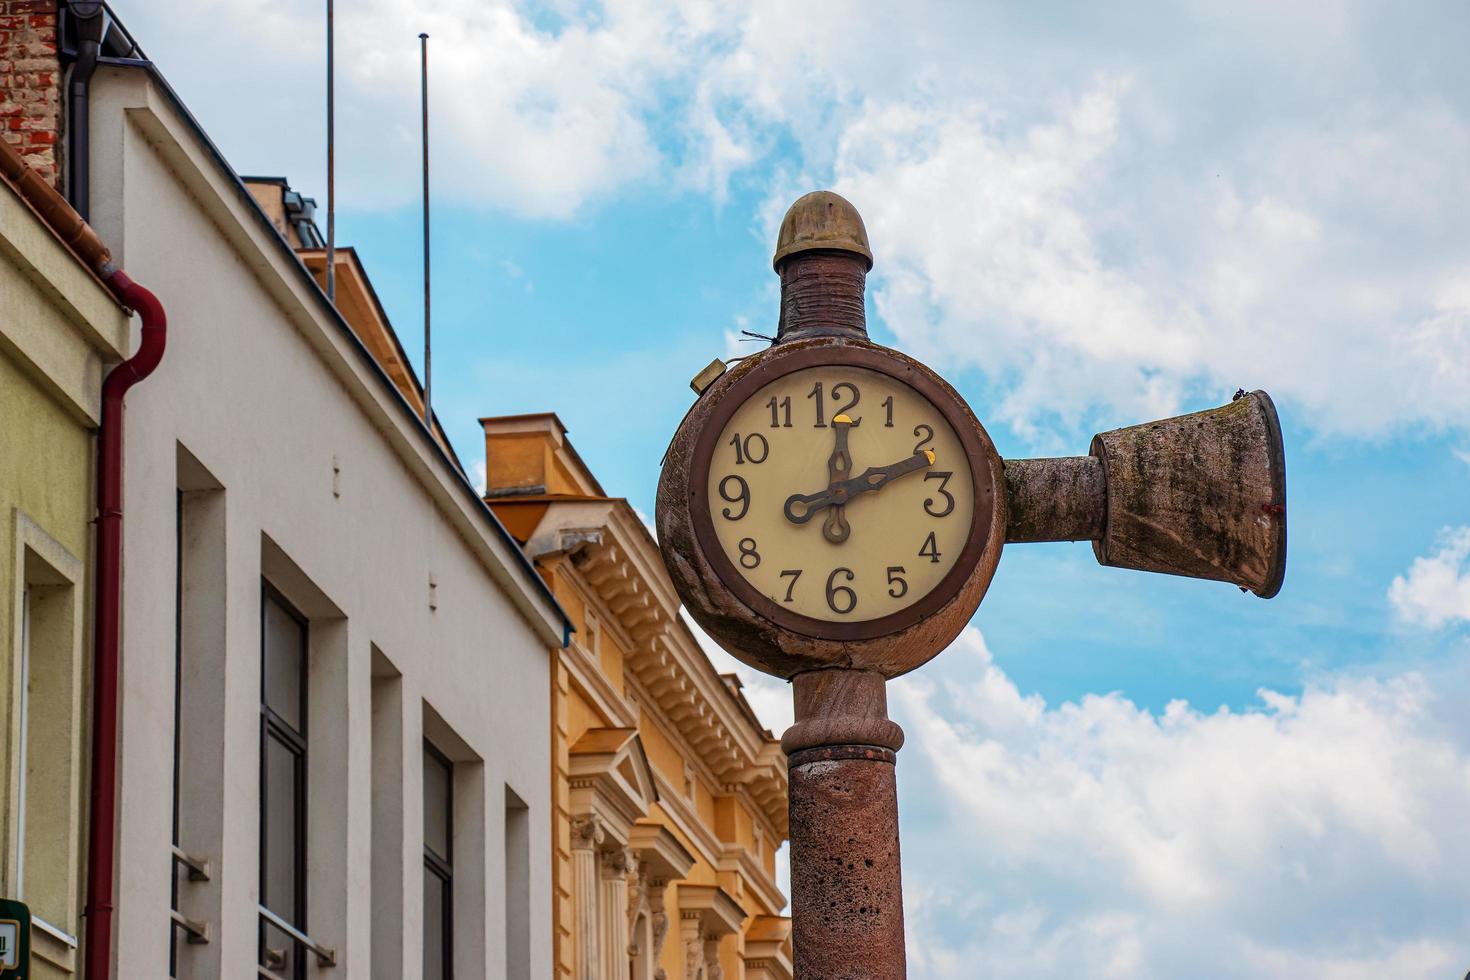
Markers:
point(747, 623)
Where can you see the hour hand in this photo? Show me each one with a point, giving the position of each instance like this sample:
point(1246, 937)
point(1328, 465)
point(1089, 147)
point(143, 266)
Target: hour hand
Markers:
point(839, 467)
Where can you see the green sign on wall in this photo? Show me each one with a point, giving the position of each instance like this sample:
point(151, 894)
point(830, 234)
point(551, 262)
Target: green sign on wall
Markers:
point(15, 940)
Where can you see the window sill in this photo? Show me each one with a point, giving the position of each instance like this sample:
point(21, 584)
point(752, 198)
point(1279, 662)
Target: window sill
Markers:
point(54, 945)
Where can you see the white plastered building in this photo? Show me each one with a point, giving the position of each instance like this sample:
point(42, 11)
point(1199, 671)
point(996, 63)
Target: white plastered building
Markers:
point(362, 652)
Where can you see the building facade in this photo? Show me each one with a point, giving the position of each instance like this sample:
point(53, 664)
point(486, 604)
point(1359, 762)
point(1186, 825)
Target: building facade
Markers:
point(59, 330)
point(669, 797)
point(362, 733)
point(332, 744)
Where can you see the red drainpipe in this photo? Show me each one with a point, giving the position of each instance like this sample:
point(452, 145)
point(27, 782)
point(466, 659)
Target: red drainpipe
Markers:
point(83, 241)
point(102, 822)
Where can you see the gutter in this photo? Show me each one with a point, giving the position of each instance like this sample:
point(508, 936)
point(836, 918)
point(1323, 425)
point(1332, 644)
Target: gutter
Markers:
point(102, 804)
point(91, 26)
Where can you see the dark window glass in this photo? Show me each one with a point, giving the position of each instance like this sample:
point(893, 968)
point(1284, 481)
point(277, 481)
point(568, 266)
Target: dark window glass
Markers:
point(282, 782)
point(438, 872)
point(279, 862)
point(436, 921)
point(436, 803)
point(284, 658)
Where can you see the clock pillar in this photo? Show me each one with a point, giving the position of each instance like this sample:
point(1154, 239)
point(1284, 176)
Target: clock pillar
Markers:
point(846, 888)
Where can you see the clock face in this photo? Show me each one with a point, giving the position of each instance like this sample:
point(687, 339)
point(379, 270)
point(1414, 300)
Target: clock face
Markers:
point(840, 495)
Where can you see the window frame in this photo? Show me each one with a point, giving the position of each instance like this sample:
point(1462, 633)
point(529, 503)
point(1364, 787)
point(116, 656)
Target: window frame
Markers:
point(273, 726)
point(442, 866)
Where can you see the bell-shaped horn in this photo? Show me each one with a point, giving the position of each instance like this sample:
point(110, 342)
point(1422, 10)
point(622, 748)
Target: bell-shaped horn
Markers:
point(1202, 495)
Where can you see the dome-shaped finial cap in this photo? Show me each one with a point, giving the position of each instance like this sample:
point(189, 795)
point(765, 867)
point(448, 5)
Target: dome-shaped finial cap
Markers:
point(821, 220)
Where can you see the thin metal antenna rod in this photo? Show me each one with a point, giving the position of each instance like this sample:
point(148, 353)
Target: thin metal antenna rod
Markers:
point(424, 82)
point(331, 167)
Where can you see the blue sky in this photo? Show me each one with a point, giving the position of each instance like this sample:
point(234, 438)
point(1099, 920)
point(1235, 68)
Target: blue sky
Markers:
point(1085, 217)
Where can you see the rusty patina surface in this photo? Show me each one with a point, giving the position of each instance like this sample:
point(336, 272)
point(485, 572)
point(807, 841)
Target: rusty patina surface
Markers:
point(822, 221)
point(846, 892)
point(1062, 499)
point(1202, 495)
point(846, 885)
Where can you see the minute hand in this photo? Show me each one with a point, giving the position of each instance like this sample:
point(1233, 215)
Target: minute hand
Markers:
point(801, 507)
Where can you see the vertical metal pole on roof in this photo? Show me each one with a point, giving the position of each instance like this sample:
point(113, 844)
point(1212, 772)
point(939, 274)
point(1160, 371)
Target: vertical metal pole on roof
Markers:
point(331, 169)
point(424, 109)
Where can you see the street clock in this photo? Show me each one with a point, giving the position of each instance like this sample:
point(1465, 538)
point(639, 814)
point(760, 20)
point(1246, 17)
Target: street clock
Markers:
point(832, 512)
point(844, 495)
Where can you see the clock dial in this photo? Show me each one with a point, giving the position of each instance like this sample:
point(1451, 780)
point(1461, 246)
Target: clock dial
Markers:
point(840, 494)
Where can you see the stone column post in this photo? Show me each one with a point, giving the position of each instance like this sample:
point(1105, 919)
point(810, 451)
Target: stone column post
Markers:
point(846, 893)
point(614, 909)
point(587, 838)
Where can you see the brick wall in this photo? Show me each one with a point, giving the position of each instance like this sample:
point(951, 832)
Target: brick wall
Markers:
point(30, 83)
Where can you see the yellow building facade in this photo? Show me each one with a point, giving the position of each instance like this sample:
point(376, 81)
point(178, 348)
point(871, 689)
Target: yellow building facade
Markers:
point(59, 329)
point(669, 797)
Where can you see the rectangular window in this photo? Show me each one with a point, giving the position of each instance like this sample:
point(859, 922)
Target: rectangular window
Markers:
point(282, 783)
point(438, 869)
point(47, 703)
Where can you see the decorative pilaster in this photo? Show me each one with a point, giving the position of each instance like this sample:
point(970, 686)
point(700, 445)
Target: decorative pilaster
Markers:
point(712, 968)
point(615, 867)
point(657, 889)
point(637, 904)
point(587, 838)
point(692, 936)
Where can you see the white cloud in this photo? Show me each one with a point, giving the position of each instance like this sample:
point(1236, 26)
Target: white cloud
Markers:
point(1113, 217)
point(1035, 253)
point(1436, 589)
point(532, 110)
point(1313, 836)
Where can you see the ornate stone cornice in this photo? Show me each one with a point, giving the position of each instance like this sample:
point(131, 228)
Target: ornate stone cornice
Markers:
point(622, 569)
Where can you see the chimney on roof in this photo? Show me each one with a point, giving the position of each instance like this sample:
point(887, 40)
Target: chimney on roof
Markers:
point(521, 456)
